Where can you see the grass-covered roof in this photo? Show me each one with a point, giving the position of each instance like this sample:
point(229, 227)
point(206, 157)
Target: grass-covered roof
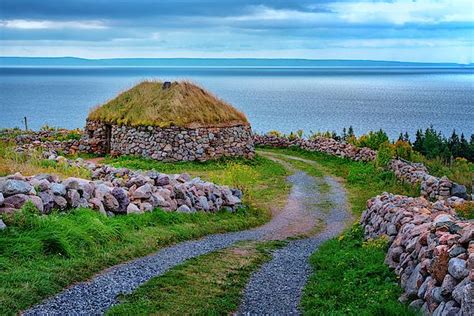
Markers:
point(182, 104)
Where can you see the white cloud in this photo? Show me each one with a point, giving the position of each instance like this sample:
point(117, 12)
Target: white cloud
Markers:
point(397, 12)
point(401, 12)
point(45, 24)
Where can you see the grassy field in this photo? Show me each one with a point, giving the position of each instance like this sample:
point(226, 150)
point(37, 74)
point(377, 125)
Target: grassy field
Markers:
point(40, 255)
point(183, 104)
point(208, 285)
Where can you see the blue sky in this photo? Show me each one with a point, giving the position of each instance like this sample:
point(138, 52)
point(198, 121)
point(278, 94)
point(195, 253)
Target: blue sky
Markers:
point(406, 30)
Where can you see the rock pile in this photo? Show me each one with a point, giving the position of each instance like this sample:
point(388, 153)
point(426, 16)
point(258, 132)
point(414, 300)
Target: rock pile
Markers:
point(431, 250)
point(432, 187)
point(115, 191)
point(321, 144)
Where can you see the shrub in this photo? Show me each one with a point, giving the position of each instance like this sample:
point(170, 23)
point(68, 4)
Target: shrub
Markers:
point(384, 154)
point(466, 210)
point(403, 149)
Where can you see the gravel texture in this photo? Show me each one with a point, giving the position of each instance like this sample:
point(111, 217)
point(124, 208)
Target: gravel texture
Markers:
point(276, 288)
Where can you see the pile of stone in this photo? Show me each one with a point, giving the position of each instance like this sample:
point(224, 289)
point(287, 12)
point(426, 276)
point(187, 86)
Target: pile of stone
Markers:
point(67, 147)
point(431, 250)
point(432, 187)
point(113, 191)
point(321, 144)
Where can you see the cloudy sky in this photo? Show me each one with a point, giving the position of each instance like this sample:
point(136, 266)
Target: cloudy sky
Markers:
point(407, 30)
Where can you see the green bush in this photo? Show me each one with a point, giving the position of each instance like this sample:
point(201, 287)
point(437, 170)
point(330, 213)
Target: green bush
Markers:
point(384, 154)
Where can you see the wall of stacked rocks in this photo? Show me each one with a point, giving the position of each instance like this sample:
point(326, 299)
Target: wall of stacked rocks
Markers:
point(431, 250)
point(112, 191)
point(173, 143)
point(432, 187)
point(320, 144)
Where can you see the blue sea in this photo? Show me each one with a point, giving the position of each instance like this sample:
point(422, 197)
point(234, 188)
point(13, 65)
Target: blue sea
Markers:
point(284, 99)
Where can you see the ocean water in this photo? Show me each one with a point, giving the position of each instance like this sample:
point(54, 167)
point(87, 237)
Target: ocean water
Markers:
point(284, 99)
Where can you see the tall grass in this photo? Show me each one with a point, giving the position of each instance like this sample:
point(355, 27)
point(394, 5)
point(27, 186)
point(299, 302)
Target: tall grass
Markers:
point(33, 163)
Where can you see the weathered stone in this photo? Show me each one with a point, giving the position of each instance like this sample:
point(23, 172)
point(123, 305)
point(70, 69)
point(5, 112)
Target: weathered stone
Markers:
point(2, 225)
point(58, 189)
point(457, 268)
point(133, 209)
point(12, 187)
point(47, 199)
point(73, 198)
point(121, 196)
point(143, 192)
point(2, 199)
point(467, 304)
point(458, 292)
point(16, 201)
point(97, 205)
point(448, 285)
point(110, 203)
point(60, 202)
point(184, 209)
point(459, 191)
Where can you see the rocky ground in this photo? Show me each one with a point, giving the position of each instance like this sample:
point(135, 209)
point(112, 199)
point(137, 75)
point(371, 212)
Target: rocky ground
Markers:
point(98, 294)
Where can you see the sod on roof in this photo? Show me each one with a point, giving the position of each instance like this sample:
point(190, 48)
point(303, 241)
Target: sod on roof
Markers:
point(183, 104)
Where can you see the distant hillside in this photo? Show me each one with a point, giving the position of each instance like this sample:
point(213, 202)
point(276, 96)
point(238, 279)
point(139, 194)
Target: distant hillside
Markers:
point(211, 62)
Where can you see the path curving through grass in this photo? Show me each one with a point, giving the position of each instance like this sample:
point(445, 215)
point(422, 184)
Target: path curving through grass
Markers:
point(286, 272)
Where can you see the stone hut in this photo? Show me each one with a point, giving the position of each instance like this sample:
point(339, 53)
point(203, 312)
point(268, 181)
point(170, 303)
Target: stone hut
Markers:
point(170, 121)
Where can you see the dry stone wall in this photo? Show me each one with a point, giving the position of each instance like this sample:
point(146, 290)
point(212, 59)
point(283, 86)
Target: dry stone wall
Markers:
point(113, 191)
point(182, 144)
point(321, 144)
point(431, 250)
point(432, 187)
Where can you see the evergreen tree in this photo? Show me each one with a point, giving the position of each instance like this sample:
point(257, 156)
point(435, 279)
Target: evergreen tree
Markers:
point(454, 144)
point(463, 147)
point(419, 138)
point(407, 138)
point(350, 132)
point(400, 137)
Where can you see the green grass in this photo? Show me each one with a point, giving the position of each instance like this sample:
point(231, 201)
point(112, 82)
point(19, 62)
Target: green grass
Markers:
point(40, 255)
point(12, 162)
point(350, 279)
point(183, 104)
point(208, 285)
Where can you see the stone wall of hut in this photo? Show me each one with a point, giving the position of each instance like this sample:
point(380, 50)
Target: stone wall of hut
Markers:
point(172, 143)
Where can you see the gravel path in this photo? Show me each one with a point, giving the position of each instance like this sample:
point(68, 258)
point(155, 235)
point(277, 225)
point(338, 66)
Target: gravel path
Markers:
point(276, 288)
point(282, 278)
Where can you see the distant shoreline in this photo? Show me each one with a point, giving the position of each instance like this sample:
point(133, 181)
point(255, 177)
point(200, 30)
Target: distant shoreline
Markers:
point(218, 63)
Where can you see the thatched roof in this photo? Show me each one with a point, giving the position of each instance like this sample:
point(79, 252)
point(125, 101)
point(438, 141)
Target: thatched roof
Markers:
point(181, 104)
